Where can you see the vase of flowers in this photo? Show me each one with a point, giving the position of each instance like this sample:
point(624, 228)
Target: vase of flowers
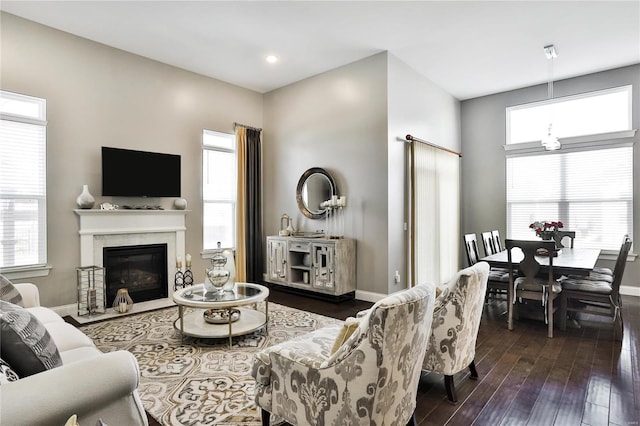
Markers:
point(546, 230)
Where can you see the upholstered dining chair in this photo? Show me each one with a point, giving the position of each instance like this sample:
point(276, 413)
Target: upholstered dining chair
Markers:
point(530, 284)
point(454, 329)
point(597, 297)
point(498, 277)
point(371, 378)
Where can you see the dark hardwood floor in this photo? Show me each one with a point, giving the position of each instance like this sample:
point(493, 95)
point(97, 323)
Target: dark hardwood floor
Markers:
point(579, 377)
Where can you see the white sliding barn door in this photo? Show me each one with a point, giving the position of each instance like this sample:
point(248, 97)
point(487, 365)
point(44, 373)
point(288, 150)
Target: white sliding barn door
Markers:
point(435, 214)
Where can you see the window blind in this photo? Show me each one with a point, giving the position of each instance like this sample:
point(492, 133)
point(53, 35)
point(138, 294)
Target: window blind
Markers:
point(435, 214)
point(22, 193)
point(590, 191)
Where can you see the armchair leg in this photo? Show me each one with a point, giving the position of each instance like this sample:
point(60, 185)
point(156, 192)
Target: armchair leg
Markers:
point(472, 369)
point(265, 417)
point(451, 389)
point(412, 420)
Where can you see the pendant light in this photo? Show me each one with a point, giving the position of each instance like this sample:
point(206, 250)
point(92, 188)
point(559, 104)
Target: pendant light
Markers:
point(550, 141)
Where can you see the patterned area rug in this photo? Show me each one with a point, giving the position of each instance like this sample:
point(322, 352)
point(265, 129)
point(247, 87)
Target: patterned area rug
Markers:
point(202, 382)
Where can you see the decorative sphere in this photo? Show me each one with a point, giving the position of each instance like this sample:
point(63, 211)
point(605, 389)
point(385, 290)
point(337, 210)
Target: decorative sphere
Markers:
point(180, 204)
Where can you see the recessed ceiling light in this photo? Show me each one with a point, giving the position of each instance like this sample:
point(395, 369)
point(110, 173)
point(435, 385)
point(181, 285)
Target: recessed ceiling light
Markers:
point(272, 59)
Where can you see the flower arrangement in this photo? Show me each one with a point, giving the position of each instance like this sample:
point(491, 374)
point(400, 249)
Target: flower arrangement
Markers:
point(545, 228)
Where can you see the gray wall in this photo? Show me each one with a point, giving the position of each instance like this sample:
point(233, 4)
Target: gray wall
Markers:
point(338, 121)
point(419, 107)
point(96, 96)
point(483, 163)
point(347, 120)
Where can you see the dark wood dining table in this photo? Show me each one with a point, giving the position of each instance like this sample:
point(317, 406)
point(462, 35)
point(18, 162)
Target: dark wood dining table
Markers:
point(578, 261)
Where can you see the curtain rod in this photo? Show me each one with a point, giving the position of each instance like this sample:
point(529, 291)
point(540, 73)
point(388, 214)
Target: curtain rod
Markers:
point(410, 138)
point(247, 127)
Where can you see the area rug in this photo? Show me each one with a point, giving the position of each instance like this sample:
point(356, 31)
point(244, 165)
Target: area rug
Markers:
point(203, 381)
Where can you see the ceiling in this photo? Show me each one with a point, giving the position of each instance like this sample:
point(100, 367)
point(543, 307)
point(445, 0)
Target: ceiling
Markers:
point(469, 48)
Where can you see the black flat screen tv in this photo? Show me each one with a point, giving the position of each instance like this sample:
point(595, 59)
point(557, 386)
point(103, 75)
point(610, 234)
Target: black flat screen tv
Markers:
point(129, 173)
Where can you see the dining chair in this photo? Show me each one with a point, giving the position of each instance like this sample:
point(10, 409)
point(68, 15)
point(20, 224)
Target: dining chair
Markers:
point(471, 248)
point(496, 241)
point(601, 273)
point(596, 297)
point(530, 284)
point(498, 277)
point(558, 236)
point(488, 243)
point(604, 273)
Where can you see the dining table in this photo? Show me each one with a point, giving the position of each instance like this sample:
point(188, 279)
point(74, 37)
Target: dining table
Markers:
point(574, 261)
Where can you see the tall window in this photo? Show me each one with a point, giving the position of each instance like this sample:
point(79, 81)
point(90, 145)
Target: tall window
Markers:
point(218, 189)
point(23, 192)
point(586, 185)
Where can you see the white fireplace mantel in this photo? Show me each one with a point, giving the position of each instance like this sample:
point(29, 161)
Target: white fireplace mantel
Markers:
point(103, 228)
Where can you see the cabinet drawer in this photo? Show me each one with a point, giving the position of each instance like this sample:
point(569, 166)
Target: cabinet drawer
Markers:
point(300, 246)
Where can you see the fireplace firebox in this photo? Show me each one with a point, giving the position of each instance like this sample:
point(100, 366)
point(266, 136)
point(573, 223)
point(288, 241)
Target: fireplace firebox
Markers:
point(141, 269)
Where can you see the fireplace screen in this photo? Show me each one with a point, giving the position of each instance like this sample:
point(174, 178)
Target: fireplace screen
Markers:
point(142, 270)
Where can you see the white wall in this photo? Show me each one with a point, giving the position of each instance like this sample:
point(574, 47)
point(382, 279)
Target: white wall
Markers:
point(418, 107)
point(483, 163)
point(338, 121)
point(96, 96)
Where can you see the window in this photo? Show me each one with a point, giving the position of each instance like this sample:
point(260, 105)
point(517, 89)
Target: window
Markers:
point(591, 192)
point(218, 189)
point(23, 192)
point(594, 113)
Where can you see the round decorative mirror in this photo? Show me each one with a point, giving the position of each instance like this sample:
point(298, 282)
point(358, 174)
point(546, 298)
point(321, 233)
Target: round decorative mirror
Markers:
point(315, 186)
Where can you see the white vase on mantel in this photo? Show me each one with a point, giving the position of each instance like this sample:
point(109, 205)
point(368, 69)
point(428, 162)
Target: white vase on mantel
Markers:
point(85, 200)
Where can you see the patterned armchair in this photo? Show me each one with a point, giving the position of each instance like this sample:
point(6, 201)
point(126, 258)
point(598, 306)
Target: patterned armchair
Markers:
point(372, 377)
point(456, 319)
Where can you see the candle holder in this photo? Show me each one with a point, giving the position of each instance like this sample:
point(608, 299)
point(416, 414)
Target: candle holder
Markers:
point(123, 302)
point(178, 280)
point(188, 277)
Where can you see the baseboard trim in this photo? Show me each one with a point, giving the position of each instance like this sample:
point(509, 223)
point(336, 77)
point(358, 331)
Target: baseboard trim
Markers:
point(628, 290)
point(63, 310)
point(369, 296)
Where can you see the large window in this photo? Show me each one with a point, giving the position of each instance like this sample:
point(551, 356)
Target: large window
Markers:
point(588, 185)
point(218, 189)
point(23, 194)
point(591, 192)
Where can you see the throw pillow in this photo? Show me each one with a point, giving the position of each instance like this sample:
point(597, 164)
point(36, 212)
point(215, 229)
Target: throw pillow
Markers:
point(349, 326)
point(8, 292)
point(26, 344)
point(6, 373)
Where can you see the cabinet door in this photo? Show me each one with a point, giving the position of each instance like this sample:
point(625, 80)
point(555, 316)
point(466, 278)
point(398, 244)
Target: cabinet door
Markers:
point(277, 260)
point(323, 266)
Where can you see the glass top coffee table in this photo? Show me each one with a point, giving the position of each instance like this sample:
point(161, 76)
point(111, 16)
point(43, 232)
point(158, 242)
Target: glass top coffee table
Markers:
point(219, 315)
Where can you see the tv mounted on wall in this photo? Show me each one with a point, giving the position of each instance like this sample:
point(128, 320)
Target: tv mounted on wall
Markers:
point(130, 173)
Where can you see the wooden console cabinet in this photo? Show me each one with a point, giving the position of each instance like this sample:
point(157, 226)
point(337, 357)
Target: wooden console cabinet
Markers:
point(315, 264)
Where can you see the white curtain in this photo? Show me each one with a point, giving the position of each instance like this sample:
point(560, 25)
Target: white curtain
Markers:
point(435, 214)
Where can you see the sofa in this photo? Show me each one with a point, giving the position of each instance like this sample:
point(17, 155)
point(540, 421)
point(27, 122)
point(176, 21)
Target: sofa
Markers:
point(82, 380)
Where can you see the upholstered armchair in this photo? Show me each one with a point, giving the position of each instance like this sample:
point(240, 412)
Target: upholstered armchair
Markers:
point(456, 319)
point(371, 378)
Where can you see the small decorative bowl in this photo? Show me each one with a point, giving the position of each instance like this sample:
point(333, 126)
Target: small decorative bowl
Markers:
point(221, 316)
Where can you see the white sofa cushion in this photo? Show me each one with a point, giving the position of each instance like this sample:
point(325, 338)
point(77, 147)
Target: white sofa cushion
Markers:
point(45, 315)
point(67, 337)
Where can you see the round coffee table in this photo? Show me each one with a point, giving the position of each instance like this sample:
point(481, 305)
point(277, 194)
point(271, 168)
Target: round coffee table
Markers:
point(228, 313)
